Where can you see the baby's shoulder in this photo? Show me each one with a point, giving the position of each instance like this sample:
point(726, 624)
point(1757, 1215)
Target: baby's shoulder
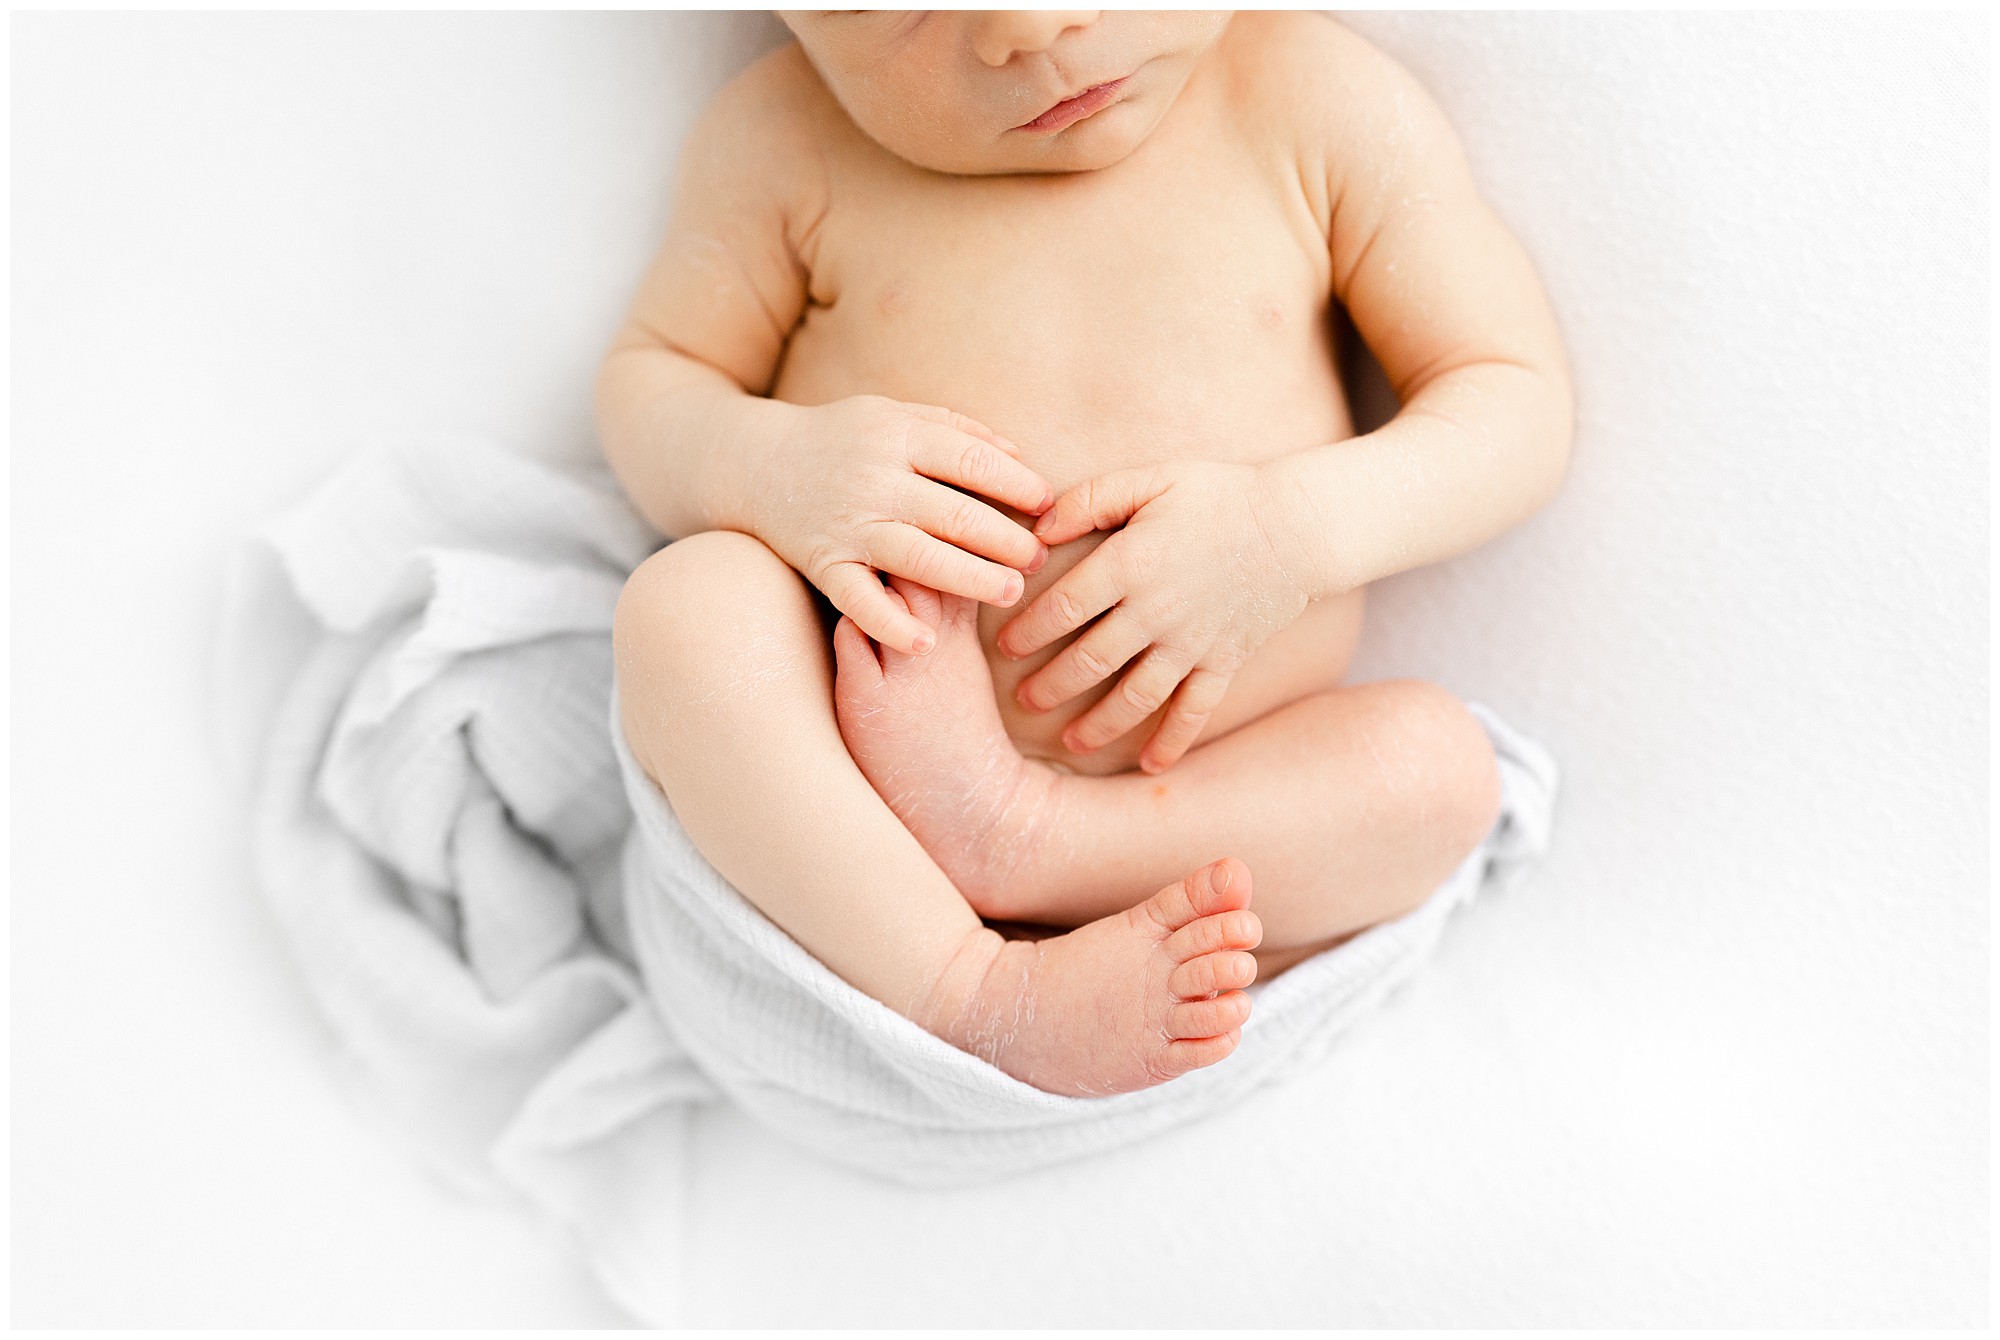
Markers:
point(766, 114)
point(755, 160)
point(1303, 65)
point(1330, 97)
point(1273, 37)
point(1311, 73)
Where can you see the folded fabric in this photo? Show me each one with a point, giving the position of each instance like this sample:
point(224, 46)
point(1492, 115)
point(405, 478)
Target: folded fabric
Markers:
point(539, 989)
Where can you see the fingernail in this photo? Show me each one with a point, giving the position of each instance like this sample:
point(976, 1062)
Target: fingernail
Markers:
point(1011, 592)
point(924, 642)
point(1048, 501)
point(1035, 563)
point(1220, 879)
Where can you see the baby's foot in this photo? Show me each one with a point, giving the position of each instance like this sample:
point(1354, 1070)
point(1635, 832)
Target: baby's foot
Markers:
point(926, 731)
point(1124, 1003)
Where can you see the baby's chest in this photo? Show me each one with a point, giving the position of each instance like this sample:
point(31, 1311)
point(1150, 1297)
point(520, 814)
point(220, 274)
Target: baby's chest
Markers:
point(1014, 267)
point(1070, 302)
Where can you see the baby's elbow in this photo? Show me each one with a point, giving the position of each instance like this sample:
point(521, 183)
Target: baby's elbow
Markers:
point(610, 396)
point(1555, 435)
point(1560, 444)
point(625, 383)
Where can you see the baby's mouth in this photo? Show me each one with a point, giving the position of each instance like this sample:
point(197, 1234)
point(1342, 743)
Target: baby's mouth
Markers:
point(1071, 110)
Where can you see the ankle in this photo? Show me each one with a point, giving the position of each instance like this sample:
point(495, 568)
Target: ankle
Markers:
point(1023, 867)
point(938, 1007)
point(983, 973)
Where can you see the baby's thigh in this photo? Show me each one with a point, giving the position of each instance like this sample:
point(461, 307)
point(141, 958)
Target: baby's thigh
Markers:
point(712, 631)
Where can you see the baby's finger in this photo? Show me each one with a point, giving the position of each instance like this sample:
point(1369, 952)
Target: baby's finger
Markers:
point(974, 464)
point(960, 519)
point(963, 423)
point(1196, 699)
point(1088, 660)
point(858, 593)
point(1080, 595)
point(1103, 503)
point(1138, 695)
point(928, 561)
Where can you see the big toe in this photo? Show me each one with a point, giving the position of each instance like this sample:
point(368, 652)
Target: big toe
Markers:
point(1220, 886)
point(855, 664)
point(923, 602)
point(1226, 888)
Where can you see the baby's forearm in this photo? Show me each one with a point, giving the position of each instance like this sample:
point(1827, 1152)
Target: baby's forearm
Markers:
point(1473, 454)
point(684, 439)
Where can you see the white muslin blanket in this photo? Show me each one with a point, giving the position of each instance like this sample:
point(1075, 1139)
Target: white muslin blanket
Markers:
point(523, 956)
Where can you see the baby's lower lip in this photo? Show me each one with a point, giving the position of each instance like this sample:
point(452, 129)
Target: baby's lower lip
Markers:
point(1071, 110)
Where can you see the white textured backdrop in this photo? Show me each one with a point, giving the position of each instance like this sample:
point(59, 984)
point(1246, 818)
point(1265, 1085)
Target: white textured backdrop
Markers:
point(1723, 1061)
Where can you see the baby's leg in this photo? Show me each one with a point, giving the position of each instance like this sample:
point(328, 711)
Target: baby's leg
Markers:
point(727, 692)
point(1349, 806)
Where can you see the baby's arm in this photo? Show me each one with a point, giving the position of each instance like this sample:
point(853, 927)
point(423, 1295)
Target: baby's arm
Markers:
point(1451, 308)
point(840, 491)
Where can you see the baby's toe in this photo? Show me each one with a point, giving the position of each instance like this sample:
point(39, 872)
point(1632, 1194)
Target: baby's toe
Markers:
point(1210, 973)
point(1208, 1018)
point(921, 600)
point(1185, 1054)
point(957, 611)
point(1198, 895)
point(1239, 929)
point(854, 656)
point(1219, 886)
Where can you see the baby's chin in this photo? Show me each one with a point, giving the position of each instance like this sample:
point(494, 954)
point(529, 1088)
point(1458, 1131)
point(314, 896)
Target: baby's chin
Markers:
point(1088, 146)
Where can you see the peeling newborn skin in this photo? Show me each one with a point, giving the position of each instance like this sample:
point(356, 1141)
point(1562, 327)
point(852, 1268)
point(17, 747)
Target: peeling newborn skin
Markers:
point(925, 731)
point(1121, 1003)
point(1124, 1003)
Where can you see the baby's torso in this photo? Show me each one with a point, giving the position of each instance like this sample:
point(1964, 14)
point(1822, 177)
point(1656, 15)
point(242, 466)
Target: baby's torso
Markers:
point(1173, 306)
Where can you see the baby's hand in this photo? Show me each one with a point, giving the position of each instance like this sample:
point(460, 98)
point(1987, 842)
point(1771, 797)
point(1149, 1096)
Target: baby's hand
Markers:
point(861, 487)
point(1193, 580)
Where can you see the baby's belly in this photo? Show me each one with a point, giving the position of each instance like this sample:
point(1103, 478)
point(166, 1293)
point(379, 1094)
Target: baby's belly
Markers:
point(1308, 656)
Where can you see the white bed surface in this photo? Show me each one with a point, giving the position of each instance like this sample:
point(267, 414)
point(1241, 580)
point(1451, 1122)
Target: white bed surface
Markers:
point(1724, 1061)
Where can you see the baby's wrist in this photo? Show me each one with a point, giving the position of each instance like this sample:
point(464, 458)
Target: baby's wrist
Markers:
point(1297, 516)
point(754, 441)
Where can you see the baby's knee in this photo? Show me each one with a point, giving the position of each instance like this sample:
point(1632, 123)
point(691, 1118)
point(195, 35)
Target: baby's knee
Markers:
point(1452, 777)
point(696, 610)
point(703, 592)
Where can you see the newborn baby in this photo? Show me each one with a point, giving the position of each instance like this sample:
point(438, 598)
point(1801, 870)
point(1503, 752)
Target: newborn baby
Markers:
point(988, 374)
